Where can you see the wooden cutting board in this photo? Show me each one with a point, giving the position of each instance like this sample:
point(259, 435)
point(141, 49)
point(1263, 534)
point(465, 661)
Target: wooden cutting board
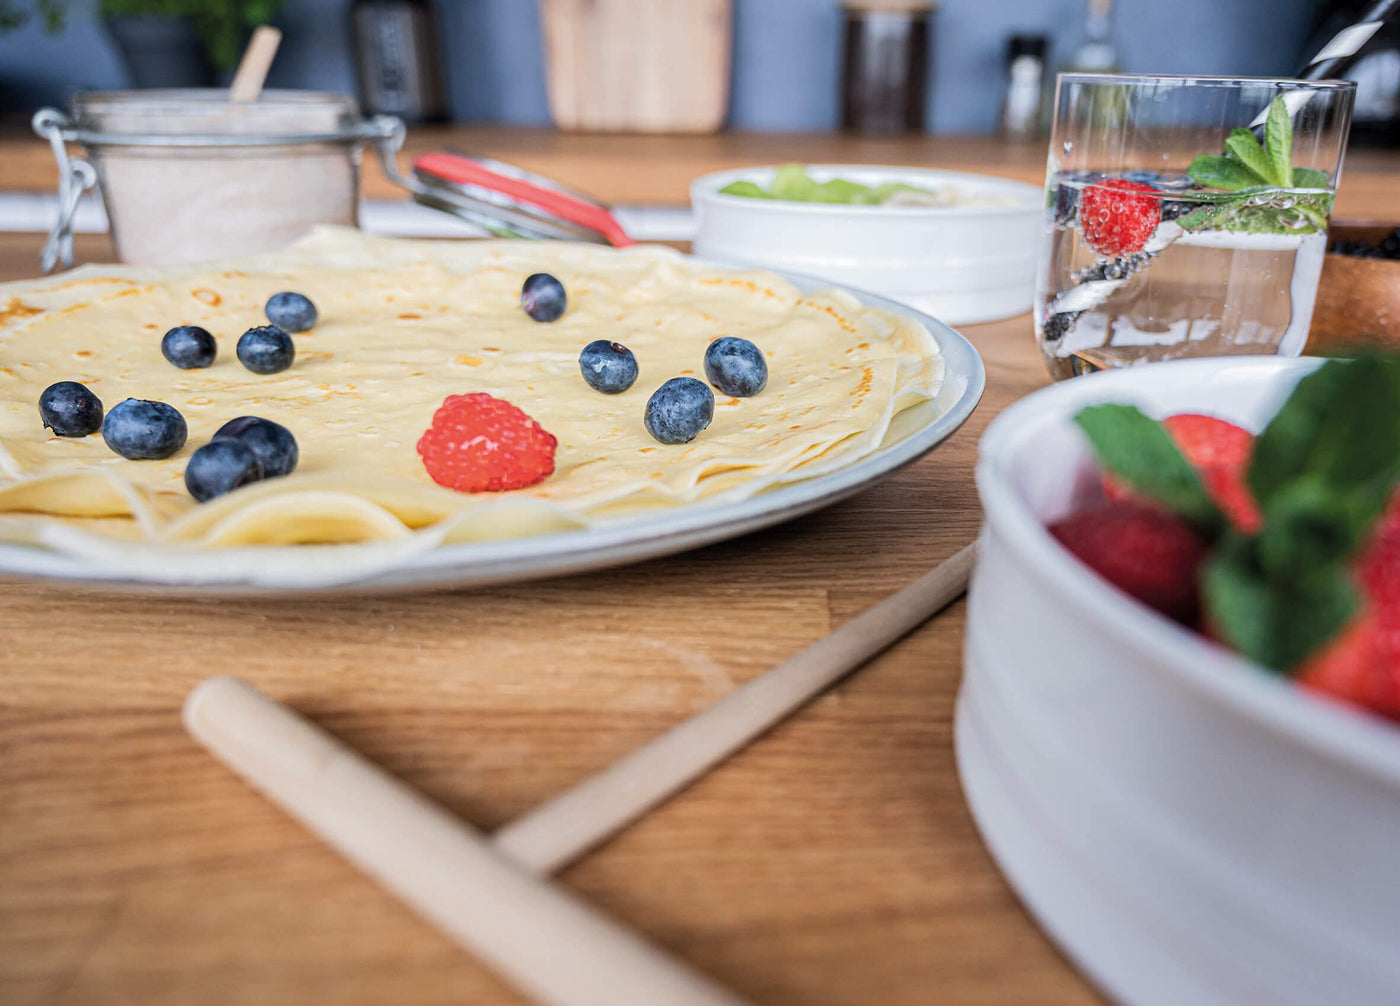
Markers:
point(621, 66)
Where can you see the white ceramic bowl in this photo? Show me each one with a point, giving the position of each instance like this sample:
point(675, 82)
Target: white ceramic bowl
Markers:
point(1188, 827)
point(961, 264)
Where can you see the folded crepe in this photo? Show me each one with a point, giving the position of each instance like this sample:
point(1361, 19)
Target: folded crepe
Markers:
point(403, 324)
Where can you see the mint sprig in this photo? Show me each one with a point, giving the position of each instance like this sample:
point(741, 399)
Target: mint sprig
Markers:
point(1141, 453)
point(1278, 138)
point(1251, 170)
point(1322, 472)
point(1276, 623)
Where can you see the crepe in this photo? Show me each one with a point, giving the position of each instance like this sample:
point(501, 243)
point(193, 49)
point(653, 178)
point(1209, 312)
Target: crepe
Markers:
point(402, 325)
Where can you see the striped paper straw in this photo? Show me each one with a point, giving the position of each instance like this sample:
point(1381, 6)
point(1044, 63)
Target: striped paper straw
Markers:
point(1336, 55)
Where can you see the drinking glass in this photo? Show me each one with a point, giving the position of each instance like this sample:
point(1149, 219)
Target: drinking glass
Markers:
point(1162, 240)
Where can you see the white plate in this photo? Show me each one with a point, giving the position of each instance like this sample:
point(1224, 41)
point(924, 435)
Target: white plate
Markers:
point(961, 263)
point(912, 434)
point(1192, 829)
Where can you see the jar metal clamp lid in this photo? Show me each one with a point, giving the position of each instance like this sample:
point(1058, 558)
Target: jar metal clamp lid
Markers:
point(503, 200)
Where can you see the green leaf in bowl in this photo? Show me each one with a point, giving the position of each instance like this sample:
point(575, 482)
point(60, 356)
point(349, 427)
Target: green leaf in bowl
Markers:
point(839, 190)
point(741, 188)
point(792, 183)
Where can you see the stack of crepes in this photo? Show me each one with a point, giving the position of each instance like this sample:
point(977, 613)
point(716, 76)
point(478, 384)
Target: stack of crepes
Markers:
point(404, 324)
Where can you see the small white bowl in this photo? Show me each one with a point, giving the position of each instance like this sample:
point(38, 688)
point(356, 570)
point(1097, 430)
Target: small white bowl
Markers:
point(1190, 828)
point(961, 264)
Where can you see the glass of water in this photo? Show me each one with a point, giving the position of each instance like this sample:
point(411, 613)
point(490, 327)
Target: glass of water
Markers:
point(1185, 216)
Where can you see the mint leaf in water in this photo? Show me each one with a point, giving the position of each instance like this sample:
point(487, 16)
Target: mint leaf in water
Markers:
point(1304, 215)
point(1252, 172)
point(1278, 138)
point(1244, 148)
point(1310, 178)
point(1217, 172)
point(1141, 453)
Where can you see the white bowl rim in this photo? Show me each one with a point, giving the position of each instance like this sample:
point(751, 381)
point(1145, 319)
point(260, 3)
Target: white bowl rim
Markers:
point(1359, 738)
point(707, 187)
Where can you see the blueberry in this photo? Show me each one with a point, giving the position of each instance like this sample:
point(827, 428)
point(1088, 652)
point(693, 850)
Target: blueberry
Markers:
point(272, 443)
point(1065, 205)
point(608, 367)
point(543, 297)
point(142, 430)
point(266, 349)
point(679, 409)
point(189, 347)
point(1083, 177)
point(70, 409)
point(221, 466)
point(1175, 209)
point(291, 312)
point(736, 367)
point(1144, 177)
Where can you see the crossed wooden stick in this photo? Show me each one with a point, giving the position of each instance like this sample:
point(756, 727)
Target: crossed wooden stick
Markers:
point(490, 893)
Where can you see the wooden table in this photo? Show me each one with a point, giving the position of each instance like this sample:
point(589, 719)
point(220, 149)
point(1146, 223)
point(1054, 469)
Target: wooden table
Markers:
point(834, 863)
point(658, 170)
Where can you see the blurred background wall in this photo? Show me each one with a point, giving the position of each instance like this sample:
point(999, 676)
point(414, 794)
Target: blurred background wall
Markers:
point(786, 54)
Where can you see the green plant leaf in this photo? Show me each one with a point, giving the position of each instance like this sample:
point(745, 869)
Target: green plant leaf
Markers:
point(1341, 427)
point(1241, 146)
point(1216, 171)
point(1316, 208)
point(1277, 622)
point(1202, 219)
point(1312, 524)
point(1141, 453)
point(1310, 178)
point(1278, 138)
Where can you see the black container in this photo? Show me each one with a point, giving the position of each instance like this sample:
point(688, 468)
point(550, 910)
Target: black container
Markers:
point(397, 57)
point(885, 67)
point(161, 51)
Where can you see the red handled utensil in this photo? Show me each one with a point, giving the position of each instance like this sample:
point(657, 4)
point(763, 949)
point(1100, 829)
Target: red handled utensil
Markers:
point(501, 198)
point(498, 185)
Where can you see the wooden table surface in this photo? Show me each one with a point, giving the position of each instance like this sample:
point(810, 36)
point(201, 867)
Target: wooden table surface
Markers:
point(658, 170)
point(834, 863)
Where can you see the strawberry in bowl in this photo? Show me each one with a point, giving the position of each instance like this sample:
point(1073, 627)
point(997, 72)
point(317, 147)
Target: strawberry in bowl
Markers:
point(1284, 547)
point(1175, 727)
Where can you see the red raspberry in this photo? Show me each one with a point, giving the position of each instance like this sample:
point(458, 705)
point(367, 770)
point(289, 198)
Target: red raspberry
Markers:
point(482, 444)
point(1220, 453)
point(1117, 217)
point(1140, 549)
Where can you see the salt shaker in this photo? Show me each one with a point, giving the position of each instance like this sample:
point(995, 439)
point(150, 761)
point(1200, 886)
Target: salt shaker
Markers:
point(1025, 84)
